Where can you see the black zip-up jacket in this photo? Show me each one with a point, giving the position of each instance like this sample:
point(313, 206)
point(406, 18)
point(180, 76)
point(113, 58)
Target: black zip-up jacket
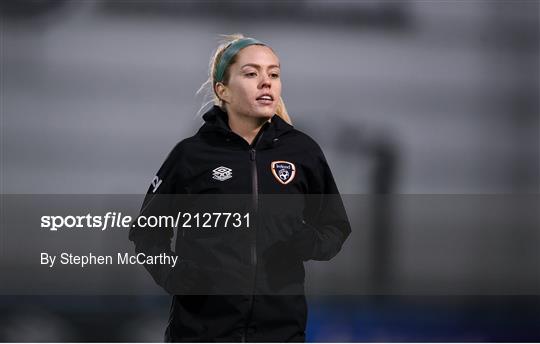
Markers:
point(243, 285)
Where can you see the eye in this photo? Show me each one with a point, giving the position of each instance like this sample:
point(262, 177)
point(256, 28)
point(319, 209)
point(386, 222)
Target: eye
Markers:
point(274, 75)
point(251, 74)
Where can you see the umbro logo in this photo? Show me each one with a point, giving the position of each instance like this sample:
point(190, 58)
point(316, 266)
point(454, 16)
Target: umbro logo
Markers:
point(221, 173)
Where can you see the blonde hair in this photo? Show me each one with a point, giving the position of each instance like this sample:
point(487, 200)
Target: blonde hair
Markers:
point(209, 85)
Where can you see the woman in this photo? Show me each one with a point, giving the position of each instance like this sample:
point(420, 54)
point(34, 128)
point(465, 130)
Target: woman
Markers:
point(245, 285)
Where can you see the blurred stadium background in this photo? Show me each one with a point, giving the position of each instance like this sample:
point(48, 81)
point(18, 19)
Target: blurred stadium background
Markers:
point(405, 97)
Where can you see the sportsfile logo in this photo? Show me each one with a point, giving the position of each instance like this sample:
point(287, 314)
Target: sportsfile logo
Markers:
point(221, 173)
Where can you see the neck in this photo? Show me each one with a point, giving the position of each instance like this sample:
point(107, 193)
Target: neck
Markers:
point(245, 126)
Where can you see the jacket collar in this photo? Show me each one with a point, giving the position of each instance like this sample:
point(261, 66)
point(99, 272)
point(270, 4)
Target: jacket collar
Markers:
point(217, 121)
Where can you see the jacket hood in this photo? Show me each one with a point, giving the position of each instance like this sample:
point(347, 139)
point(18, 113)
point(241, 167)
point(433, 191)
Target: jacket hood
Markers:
point(217, 120)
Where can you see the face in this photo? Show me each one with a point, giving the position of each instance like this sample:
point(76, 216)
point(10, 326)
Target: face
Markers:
point(254, 84)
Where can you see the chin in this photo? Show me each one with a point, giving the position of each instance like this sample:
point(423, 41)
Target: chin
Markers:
point(264, 114)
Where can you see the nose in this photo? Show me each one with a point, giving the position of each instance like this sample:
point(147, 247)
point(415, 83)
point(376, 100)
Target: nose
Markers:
point(266, 81)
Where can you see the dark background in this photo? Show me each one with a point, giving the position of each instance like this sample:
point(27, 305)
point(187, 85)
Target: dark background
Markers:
point(408, 97)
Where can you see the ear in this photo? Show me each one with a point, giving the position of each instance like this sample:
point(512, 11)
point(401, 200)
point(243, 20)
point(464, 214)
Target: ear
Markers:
point(222, 91)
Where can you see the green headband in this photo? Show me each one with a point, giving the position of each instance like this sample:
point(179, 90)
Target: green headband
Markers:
point(230, 52)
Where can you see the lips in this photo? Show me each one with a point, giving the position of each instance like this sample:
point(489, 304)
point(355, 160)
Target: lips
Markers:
point(265, 97)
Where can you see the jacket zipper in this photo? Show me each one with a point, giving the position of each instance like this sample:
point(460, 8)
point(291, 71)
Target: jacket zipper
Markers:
point(255, 204)
point(255, 201)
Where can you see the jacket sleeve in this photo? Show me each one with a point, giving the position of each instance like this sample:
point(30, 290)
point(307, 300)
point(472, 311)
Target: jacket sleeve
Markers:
point(325, 225)
point(158, 201)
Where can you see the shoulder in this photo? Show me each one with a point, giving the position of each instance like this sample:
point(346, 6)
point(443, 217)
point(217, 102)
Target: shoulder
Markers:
point(292, 135)
point(175, 155)
point(182, 147)
point(305, 142)
point(169, 172)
